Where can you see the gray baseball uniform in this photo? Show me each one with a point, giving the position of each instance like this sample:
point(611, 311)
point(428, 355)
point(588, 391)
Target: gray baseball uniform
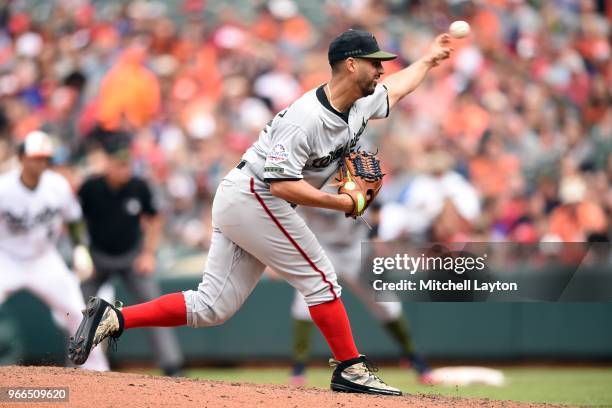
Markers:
point(252, 228)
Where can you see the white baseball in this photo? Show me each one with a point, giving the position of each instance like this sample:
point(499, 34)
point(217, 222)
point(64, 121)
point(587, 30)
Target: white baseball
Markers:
point(459, 29)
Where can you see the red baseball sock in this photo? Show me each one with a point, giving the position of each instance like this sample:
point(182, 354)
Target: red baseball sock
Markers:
point(334, 324)
point(165, 311)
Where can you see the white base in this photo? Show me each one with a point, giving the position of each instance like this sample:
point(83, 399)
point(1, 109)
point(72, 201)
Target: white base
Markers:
point(459, 376)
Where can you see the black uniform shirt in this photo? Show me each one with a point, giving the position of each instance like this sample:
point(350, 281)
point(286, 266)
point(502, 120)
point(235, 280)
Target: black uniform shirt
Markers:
point(113, 216)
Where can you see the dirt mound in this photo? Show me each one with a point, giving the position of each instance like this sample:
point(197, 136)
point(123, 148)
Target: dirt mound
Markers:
point(100, 390)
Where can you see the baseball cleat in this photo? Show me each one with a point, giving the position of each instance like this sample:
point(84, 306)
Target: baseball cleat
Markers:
point(297, 381)
point(298, 377)
point(357, 375)
point(422, 369)
point(100, 321)
point(427, 379)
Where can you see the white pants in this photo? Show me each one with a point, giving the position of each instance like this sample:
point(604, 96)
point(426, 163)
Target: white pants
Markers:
point(48, 278)
point(347, 261)
point(252, 229)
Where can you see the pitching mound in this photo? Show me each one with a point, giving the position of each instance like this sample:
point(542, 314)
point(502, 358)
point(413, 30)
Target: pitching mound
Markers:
point(92, 389)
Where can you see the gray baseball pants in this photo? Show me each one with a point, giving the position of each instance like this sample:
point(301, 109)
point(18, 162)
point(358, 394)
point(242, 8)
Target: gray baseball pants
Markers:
point(252, 229)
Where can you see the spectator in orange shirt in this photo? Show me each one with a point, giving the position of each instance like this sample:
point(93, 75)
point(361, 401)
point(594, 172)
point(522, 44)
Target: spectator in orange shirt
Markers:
point(494, 172)
point(577, 219)
point(129, 94)
point(467, 121)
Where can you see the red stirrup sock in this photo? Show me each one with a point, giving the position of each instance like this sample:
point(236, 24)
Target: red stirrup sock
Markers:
point(332, 320)
point(165, 311)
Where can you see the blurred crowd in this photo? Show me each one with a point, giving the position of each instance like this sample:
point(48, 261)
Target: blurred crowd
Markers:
point(509, 141)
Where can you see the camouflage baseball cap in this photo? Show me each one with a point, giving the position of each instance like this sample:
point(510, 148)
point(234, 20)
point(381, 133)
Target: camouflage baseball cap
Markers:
point(356, 44)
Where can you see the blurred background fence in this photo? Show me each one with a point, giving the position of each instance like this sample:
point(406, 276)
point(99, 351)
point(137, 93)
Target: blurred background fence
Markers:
point(261, 331)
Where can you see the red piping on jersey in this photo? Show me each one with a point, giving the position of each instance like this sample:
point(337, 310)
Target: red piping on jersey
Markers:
point(295, 244)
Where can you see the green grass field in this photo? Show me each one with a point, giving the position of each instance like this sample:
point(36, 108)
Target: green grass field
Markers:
point(575, 386)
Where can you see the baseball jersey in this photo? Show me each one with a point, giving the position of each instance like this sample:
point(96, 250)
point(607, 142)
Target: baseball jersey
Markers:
point(305, 140)
point(31, 220)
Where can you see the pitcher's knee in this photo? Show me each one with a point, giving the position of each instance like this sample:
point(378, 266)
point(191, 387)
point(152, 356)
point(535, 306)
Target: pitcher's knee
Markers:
point(201, 312)
point(323, 294)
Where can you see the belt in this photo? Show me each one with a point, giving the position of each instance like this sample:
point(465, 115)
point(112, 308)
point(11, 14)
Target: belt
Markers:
point(244, 167)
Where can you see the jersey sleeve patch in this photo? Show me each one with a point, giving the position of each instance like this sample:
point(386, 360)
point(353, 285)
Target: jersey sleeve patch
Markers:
point(287, 153)
point(278, 154)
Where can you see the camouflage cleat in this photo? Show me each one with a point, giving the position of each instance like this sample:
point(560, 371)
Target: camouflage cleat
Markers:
point(357, 375)
point(101, 320)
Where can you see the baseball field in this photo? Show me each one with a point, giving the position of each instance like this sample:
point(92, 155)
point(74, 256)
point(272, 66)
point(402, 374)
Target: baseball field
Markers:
point(526, 387)
point(573, 386)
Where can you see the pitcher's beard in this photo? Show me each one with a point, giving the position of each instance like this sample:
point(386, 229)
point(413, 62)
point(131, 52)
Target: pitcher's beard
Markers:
point(369, 90)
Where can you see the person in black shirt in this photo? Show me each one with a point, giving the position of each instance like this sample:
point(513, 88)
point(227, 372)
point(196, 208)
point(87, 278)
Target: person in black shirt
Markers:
point(124, 228)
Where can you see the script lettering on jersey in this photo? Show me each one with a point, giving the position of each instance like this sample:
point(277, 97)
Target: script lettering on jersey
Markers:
point(20, 224)
point(336, 154)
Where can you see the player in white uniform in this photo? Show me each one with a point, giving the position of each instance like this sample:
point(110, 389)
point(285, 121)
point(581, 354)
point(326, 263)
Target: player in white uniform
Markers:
point(341, 240)
point(34, 204)
point(254, 218)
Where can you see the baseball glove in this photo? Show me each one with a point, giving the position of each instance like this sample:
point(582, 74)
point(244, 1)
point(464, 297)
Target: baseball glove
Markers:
point(359, 177)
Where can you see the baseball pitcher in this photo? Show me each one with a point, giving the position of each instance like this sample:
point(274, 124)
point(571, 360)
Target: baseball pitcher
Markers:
point(255, 223)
